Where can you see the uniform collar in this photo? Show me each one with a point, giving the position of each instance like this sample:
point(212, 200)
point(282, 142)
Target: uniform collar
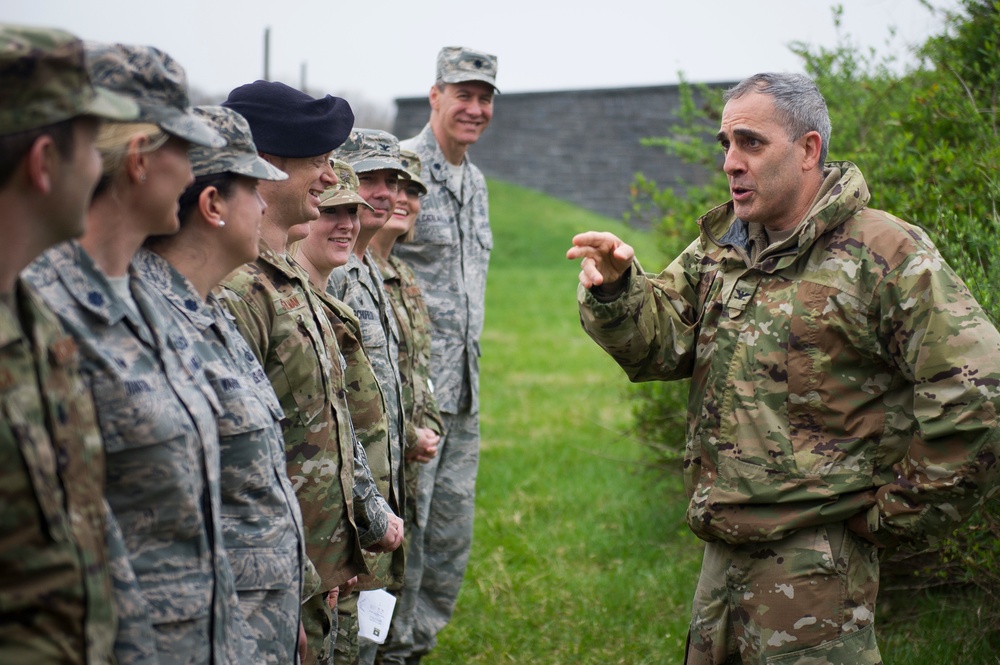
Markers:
point(843, 194)
point(437, 165)
point(175, 287)
point(87, 284)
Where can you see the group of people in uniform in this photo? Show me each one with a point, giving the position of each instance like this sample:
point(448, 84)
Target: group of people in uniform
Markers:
point(239, 369)
point(238, 361)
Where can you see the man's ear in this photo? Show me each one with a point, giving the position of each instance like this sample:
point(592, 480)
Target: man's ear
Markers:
point(40, 161)
point(812, 144)
point(434, 96)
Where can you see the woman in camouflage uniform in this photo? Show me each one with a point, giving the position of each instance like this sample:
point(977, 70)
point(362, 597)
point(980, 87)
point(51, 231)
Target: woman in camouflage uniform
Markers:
point(262, 526)
point(423, 420)
point(173, 585)
point(329, 245)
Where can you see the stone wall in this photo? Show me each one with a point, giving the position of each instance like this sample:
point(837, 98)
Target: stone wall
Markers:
point(579, 145)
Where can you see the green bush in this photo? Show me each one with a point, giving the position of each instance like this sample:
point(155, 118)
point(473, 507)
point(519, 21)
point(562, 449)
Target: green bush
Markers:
point(928, 141)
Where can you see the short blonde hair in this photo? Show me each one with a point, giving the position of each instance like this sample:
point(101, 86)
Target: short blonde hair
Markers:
point(113, 140)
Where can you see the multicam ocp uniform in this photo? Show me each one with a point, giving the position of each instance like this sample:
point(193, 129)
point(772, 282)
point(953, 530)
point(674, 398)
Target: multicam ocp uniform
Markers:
point(420, 409)
point(359, 285)
point(355, 285)
point(157, 417)
point(56, 602)
point(845, 371)
point(366, 402)
point(291, 335)
point(261, 522)
point(449, 255)
point(56, 593)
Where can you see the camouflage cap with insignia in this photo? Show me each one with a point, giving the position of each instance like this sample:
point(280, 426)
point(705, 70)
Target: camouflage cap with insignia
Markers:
point(44, 79)
point(411, 162)
point(156, 82)
point(456, 64)
point(239, 155)
point(345, 192)
point(371, 150)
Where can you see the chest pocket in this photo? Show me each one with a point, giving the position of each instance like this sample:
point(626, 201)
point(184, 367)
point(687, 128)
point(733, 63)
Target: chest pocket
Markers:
point(153, 452)
point(306, 368)
point(137, 412)
point(242, 408)
point(372, 333)
point(250, 450)
point(435, 230)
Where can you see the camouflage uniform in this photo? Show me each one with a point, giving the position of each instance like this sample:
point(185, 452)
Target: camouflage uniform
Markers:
point(157, 417)
point(45, 77)
point(55, 592)
point(845, 371)
point(292, 337)
point(449, 255)
point(420, 409)
point(261, 522)
point(359, 287)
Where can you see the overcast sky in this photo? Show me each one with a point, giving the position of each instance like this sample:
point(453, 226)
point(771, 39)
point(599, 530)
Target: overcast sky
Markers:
point(387, 49)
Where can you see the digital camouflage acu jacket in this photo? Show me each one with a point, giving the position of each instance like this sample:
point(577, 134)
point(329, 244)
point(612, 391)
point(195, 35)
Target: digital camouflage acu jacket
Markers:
point(410, 310)
point(450, 254)
point(357, 288)
point(289, 332)
point(419, 406)
point(366, 402)
point(157, 418)
point(56, 601)
point(845, 371)
point(261, 521)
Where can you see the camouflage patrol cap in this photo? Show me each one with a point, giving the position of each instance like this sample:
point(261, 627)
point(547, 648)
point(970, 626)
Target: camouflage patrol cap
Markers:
point(156, 82)
point(456, 64)
point(411, 162)
point(371, 150)
point(239, 155)
point(44, 78)
point(345, 192)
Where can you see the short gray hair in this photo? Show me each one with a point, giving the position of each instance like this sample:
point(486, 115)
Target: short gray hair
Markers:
point(798, 102)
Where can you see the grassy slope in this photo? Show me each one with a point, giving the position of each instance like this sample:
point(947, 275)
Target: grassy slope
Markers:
point(578, 557)
point(575, 559)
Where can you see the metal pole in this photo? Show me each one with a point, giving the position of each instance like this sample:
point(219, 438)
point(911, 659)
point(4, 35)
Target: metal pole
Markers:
point(267, 54)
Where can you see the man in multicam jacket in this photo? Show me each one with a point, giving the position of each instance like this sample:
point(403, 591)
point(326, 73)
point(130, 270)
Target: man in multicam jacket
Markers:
point(293, 338)
point(374, 157)
point(844, 384)
point(449, 254)
point(56, 603)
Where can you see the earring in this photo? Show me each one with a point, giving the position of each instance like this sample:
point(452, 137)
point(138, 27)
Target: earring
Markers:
point(222, 223)
point(142, 178)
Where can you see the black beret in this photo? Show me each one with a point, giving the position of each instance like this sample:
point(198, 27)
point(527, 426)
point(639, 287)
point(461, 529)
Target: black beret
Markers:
point(286, 122)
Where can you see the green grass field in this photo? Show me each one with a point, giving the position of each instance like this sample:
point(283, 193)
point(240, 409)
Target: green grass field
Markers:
point(580, 555)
